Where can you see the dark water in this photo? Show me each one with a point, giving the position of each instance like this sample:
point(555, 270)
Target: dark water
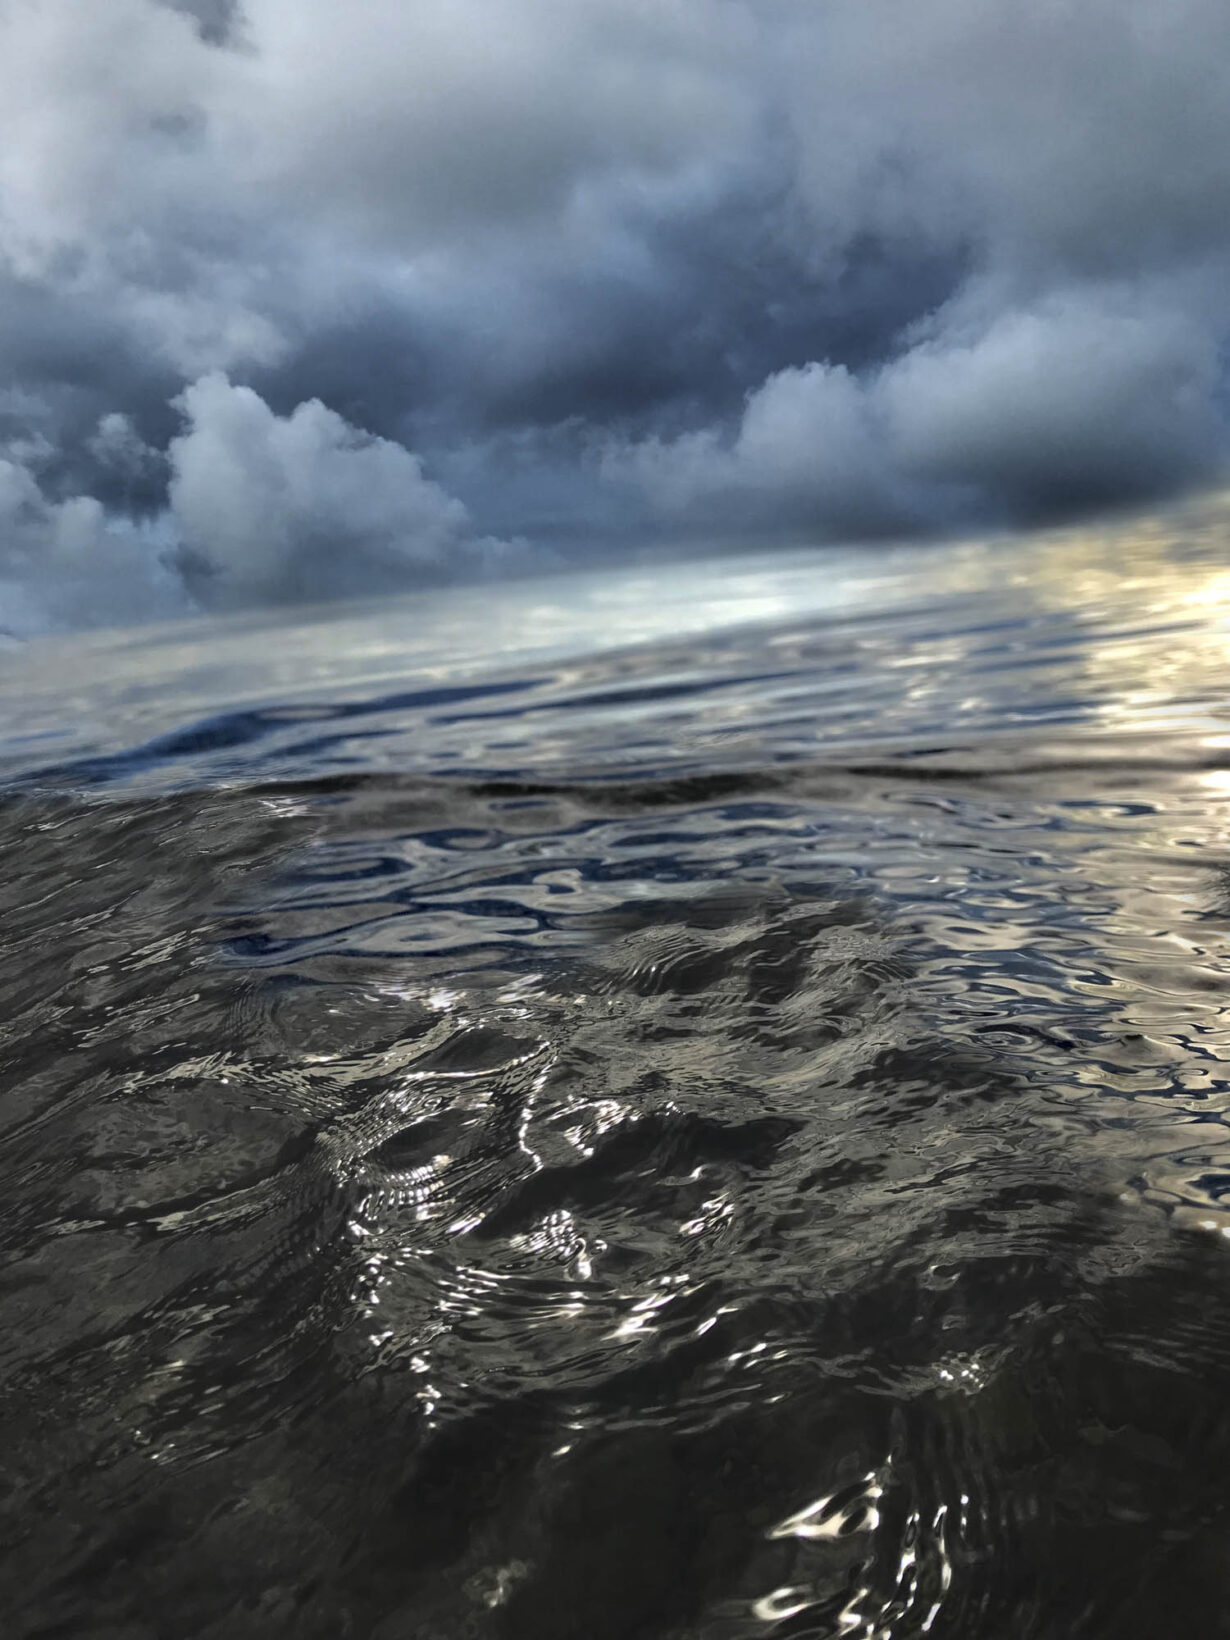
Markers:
point(594, 1119)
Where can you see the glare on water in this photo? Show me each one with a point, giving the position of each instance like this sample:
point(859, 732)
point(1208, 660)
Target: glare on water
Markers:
point(687, 1100)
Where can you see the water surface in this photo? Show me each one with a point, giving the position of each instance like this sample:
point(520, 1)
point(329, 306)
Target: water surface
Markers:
point(675, 1103)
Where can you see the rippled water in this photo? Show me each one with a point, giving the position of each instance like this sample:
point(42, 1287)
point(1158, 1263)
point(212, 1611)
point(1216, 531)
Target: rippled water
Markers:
point(667, 1104)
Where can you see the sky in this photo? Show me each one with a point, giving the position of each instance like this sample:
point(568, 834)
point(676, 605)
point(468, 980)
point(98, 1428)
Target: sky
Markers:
point(300, 300)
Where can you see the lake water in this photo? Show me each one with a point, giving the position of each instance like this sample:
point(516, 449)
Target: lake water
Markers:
point(675, 1102)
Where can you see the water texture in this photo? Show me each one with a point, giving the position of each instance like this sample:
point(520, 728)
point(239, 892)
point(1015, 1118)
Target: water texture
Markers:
point(713, 1122)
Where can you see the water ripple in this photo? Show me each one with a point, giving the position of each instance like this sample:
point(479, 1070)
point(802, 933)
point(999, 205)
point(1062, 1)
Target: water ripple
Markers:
point(728, 1142)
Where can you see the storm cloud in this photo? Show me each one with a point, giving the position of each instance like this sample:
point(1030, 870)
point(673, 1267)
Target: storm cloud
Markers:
point(299, 300)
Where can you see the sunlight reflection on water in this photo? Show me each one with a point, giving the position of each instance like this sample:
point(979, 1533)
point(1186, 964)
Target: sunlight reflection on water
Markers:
point(674, 1102)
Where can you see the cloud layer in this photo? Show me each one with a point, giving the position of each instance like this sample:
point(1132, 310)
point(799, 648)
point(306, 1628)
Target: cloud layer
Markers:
point(300, 299)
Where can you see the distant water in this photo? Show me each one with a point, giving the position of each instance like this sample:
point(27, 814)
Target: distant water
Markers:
point(670, 1103)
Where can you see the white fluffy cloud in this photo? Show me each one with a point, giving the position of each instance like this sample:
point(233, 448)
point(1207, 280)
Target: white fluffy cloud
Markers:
point(271, 508)
point(808, 451)
point(261, 509)
point(1074, 401)
point(1088, 397)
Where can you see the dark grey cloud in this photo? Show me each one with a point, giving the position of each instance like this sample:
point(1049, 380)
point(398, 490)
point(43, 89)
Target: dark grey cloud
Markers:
point(298, 299)
point(217, 21)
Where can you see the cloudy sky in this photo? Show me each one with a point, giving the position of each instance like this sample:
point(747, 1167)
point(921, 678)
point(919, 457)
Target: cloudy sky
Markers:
point(299, 299)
